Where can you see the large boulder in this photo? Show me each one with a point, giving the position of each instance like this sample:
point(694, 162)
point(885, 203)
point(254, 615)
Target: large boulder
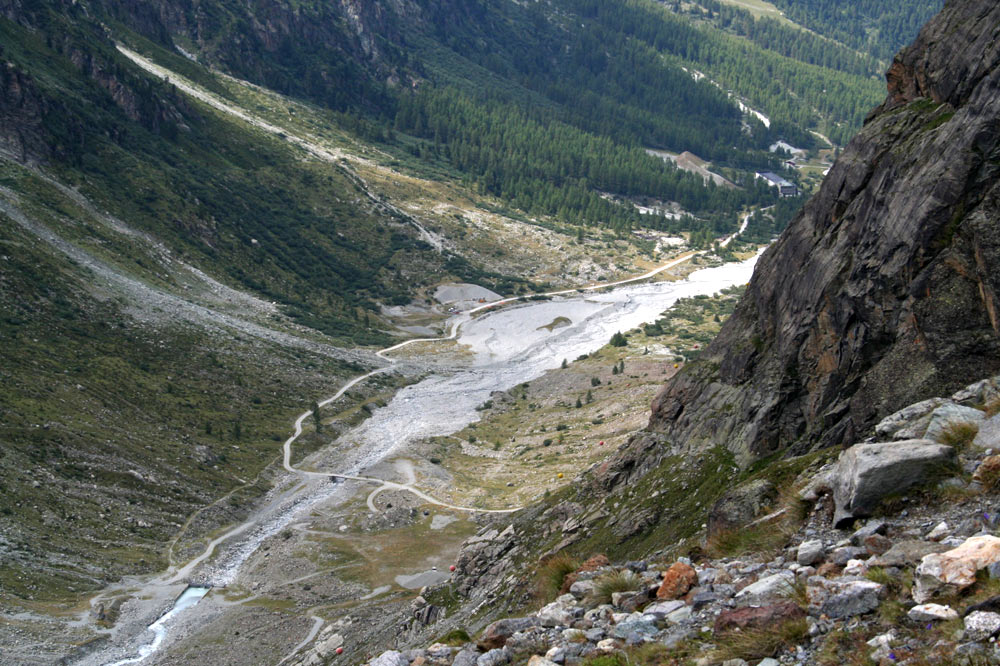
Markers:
point(766, 590)
point(955, 569)
point(866, 473)
point(495, 635)
point(948, 415)
point(677, 580)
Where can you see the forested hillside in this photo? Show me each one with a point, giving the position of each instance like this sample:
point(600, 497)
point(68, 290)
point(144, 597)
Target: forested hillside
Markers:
point(877, 27)
point(490, 87)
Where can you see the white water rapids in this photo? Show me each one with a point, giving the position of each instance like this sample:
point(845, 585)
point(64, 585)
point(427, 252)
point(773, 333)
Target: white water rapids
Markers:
point(509, 346)
point(188, 598)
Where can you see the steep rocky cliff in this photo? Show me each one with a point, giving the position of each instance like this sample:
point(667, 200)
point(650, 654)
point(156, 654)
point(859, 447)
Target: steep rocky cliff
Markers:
point(338, 53)
point(882, 291)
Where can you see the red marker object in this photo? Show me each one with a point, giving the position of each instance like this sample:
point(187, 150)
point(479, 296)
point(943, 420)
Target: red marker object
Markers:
point(451, 568)
point(340, 650)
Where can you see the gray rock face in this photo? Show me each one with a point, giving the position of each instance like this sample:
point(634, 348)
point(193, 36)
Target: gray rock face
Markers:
point(890, 425)
point(873, 298)
point(559, 613)
point(466, 657)
point(665, 608)
point(950, 414)
point(494, 658)
point(772, 588)
point(988, 436)
point(979, 393)
point(740, 506)
point(482, 560)
point(871, 528)
point(868, 472)
point(810, 552)
point(855, 598)
point(390, 658)
point(980, 625)
point(581, 588)
point(641, 627)
point(909, 553)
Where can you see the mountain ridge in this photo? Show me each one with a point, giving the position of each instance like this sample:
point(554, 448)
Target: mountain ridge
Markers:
point(874, 297)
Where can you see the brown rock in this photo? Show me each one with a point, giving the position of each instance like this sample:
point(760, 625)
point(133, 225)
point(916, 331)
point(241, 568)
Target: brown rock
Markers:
point(760, 617)
point(955, 569)
point(829, 569)
point(876, 544)
point(594, 563)
point(678, 579)
point(988, 472)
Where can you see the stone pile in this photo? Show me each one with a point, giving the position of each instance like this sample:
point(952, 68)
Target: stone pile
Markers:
point(832, 576)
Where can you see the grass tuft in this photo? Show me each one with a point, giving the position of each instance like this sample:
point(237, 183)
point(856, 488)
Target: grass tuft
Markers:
point(761, 643)
point(798, 593)
point(959, 435)
point(764, 538)
point(844, 648)
point(552, 574)
point(615, 581)
point(992, 408)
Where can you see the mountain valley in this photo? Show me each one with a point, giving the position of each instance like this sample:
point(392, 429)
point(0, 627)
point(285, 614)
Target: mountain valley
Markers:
point(484, 269)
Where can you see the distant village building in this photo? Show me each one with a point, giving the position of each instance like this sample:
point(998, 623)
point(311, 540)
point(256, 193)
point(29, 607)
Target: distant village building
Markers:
point(785, 188)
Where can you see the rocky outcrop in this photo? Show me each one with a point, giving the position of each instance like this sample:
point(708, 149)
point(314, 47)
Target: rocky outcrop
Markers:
point(883, 291)
point(740, 506)
point(818, 581)
point(767, 593)
point(21, 110)
point(866, 473)
point(338, 53)
point(44, 116)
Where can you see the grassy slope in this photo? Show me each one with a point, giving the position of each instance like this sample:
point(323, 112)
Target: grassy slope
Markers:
point(120, 417)
point(118, 421)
